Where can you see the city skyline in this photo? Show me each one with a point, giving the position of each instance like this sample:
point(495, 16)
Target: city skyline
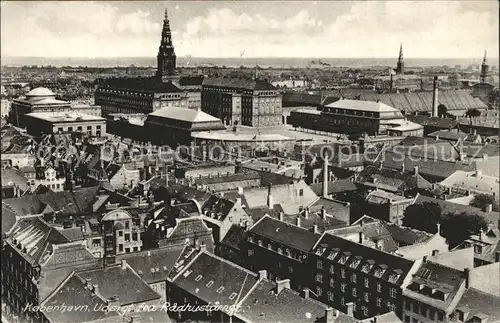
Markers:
point(222, 29)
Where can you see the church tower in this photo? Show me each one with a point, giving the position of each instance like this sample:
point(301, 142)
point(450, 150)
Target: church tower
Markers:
point(166, 54)
point(400, 68)
point(484, 69)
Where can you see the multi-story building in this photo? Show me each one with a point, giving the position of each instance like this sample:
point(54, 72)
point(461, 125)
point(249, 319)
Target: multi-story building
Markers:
point(356, 117)
point(253, 103)
point(121, 234)
point(50, 179)
point(354, 277)
point(280, 248)
point(39, 123)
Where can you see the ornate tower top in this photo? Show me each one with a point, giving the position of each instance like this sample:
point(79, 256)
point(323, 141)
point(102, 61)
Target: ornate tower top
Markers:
point(484, 69)
point(400, 53)
point(166, 53)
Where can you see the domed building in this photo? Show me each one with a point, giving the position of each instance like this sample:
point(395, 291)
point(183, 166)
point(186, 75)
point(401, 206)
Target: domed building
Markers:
point(41, 99)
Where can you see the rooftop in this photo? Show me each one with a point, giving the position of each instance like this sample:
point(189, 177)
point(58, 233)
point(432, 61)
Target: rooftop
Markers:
point(57, 117)
point(359, 105)
point(479, 304)
point(184, 114)
point(232, 136)
point(40, 91)
point(236, 83)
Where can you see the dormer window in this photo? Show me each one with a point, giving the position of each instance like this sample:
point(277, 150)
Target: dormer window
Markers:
point(344, 258)
point(393, 277)
point(366, 268)
point(379, 272)
point(260, 242)
point(250, 239)
point(331, 255)
point(355, 263)
point(280, 251)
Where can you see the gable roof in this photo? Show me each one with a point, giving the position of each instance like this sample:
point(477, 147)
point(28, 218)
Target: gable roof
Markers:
point(217, 207)
point(183, 114)
point(285, 233)
point(359, 105)
point(237, 83)
point(390, 178)
point(479, 304)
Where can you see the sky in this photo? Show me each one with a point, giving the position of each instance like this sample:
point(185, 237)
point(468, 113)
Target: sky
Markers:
point(427, 29)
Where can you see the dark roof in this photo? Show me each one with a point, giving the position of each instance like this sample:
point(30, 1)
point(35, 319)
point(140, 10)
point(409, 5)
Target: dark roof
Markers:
point(304, 98)
point(263, 305)
point(153, 265)
point(147, 84)
point(329, 242)
point(444, 123)
point(405, 236)
point(441, 278)
point(217, 207)
point(285, 233)
point(236, 83)
point(453, 208)
point(477, 303)
point(335, 187)
point(391, 178)
point(74, 292)
point(124, 283)
point(448, 135)
point(234, 237)
point(375, 231)
point(212, 279)
point(12, 176)
point(191, 80)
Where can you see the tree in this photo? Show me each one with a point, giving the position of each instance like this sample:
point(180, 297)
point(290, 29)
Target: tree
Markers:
point(424, 217)
point(456, 228)
point(442, 110)
point(473, 113)
point(482, 200)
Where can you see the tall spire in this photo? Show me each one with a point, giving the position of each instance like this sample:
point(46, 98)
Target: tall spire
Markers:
point(166, 53)
point(484, 69)
point(400, 68)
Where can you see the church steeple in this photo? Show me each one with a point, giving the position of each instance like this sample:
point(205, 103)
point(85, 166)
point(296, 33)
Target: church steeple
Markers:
point(400, 68)
point(166, 53)
point(484, 69)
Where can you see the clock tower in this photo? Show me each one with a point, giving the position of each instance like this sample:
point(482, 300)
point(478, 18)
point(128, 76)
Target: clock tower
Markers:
point(166, 54)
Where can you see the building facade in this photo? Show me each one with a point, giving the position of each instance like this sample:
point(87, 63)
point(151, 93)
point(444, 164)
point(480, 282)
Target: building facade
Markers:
point(38, 123)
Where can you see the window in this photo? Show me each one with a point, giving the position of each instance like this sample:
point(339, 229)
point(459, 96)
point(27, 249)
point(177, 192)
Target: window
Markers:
point(127, 225)
point(59, 129)
point(79, 128)
point(367, 282)
point(120, 233)
point(127, 237)
point(210, 283)
point(220, 289)
point(440, 316)
point(70, 129)
point(134, 236)
point(232, 296)
point(332, 269)
point(353, 278)
point(391, 306)
point(354, 292)
point(379, 302)
point(478, 249)
point(319, 278)
point(250, 252)
point(198, 278)
point(120, 247)
point(319, 264)
point(332, 282)
point(342, 273)
point(379, 287)
point(367, 297)
point(290, 269)
point(319, 291)
point(136, 248)
point(393, 292)
point(342, 287)
point(342, 301)
point(127, 250)
point(330, 296)
point(301, 192)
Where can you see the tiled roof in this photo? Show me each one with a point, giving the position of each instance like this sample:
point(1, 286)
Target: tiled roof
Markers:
point(217, 207)
point(448, 135)
point(405, 236)
point(153, 265)
point(183, 114)
point(391, 178)
point(479, 304)
point(236, 83)
point(342, 247)
point(122, 282)
point(453, 208)
point(435, 277)
point(444, 123)
point(213, 279)
point(285, 233)
point(335, 187)
point(263, 305)
point(191, 80)
point(74, 292)
point(148, 84)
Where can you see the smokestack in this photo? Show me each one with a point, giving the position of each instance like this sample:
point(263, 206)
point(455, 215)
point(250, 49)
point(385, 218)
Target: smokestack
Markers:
point(435, 97)
point(325, 176)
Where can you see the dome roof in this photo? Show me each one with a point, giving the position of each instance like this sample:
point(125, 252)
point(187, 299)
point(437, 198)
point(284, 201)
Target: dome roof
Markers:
point(40, 91)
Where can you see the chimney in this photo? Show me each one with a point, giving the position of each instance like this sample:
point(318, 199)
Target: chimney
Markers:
point(124, 264)
point(270, 201)
point(479, 173)
point(435, 97)
point(203, 247)
point(488, 208)
point(262, 274)
point(282, 216)
point(330, 315)
point(415, 170)
point(402, 167)
point(325, 176)
point(390, 85)
point(424, 259)
point(323, 213)
point(282, 284)
point(360, 237)
point(350, 309)
point(95, 289)
point(88, 284)
point(315, 228)
point(240, 190)
point(467, 277)
point(306, 213)
point(298, 221)
point(305, 293)
point(380, 244)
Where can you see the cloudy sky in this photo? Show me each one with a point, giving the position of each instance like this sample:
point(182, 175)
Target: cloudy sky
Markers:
point(447, 29)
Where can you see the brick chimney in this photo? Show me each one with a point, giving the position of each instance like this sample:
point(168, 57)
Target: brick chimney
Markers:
point(350, 309)
point(306, 213)
point(299, 221)
point(282, 284)
point(262, 274)
point(315, 228)
point(305, 293)
point(282, 216)
point(331, 315)
point(124, 264)
point(323, 213)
